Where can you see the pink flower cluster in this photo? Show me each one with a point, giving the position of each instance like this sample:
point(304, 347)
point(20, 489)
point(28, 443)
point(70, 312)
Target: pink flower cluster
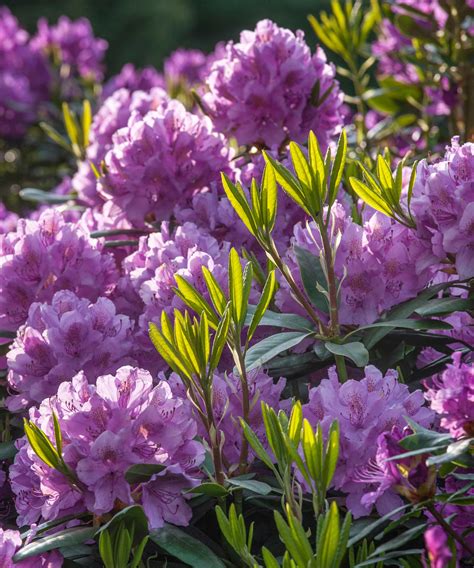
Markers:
point(121, 422)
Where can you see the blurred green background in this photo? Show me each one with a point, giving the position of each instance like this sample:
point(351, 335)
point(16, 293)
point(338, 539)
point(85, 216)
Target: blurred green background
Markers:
point(145, 31)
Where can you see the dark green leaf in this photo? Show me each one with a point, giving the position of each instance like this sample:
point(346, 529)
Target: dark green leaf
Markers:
point(141, 473)
point(7, 450)
point(272, 346)
point(185, 547)
point(287, 321)
point(68, 537)
point(445, 306)
point(210, 489)
point(258, 487)
point(355, 351)
point(312, 274)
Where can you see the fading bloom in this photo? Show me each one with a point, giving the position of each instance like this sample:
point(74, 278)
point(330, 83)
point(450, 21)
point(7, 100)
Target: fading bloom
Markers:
point(122, 421)
point(10, 542)
point(61, 338)
point(364, 409)
point(443, 205)
point(227, 407)
point(452, 397)
point(409, 477)
point(437, 548)
point(72, 44)
point(262, 89)
point(47, 255)
point(162, 159)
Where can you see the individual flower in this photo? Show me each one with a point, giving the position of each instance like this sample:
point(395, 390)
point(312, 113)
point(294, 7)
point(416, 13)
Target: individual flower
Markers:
point(443, 206)
point(437, 548)
point(133, 79)
point(268, 89)
point(227, 407)
point(10, 542)
point(364, 409)
point(72, 44)
point(452, 397)
point(113, 114)
point(59, 339)
point(409, 477)
point(186, 66)
point(122, 421)
point(160, 160)
point(24, 79)
point(47, 255)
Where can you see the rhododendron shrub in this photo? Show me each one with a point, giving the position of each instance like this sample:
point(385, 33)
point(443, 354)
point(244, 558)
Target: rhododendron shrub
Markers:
point(236, 301)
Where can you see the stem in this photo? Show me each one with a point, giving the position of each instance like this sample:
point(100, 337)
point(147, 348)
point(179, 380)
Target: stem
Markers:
point(216, 450)
point(447, 527)
point(240, 364)
point(300, 297)
point(341, 368)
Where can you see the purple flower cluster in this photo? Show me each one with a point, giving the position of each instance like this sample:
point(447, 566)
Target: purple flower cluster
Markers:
point(267, 89)
point(443, 204)
point(61, 338)
point(10, 542)
point(122, 421)
point(8, 220)
point(364, 409)
point(227, 407)
point(114, 114)
point(384, 261)
point(452, 397)
point(133, 79)
point(44, 256)
point(437, 548)
point(187, 66)
point(161, 159)
point(72, 44)
point(23, 78)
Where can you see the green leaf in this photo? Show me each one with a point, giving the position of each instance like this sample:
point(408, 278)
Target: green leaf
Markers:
point(272, 346)
point(186, 548)
point(256, 445)
point(338, 167)
point(70, 124)
point(265, 299)
point(210, 489)
point(287, 321)
point(355, 351)
point(300, 165)
point(40, 196)
point(361, 534)
point(41, 445)
point(132, 515)
point(86, 122)
point(311, 274)
point(238, 201)
point(258, 487)
point(445, 306)
point(269, 196)
point(400, 540)
point(167, 351)
point(453, 452)
point(141, 473)
point(220, 338)
point(403, 324)
point(288, 182)
point(236, 286)
point(7, 450)
point(192, 298)
point(67, 537)
point(370, 197)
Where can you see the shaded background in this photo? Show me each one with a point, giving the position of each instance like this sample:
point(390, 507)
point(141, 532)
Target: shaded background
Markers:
point(145, 31)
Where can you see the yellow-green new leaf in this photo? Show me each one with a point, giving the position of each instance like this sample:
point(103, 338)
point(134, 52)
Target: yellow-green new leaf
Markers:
point(236, 286)
point(86, 122)
point(220, 338)
point(215, 291)
point(371, 198)
point(238, 201)
point(167, 351)
point(192, 298)
point(269, 196)
point(338, 167)
point(41, 445)
point(262, 306)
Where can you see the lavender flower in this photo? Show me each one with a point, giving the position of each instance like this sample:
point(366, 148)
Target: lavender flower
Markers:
point(111, 116)
point(10, 542)
point(410, 477)
point(161, 159)
point(61, 338)
point(364, 409)
point(24, 80)
point(133, 79)
point(186, 66)
point(443, 204)
point(452, 397)
point(72, 44)
point(227, 407)
point(123, 421)
point(8, 220)
point(44, 256)
point(268, 88)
